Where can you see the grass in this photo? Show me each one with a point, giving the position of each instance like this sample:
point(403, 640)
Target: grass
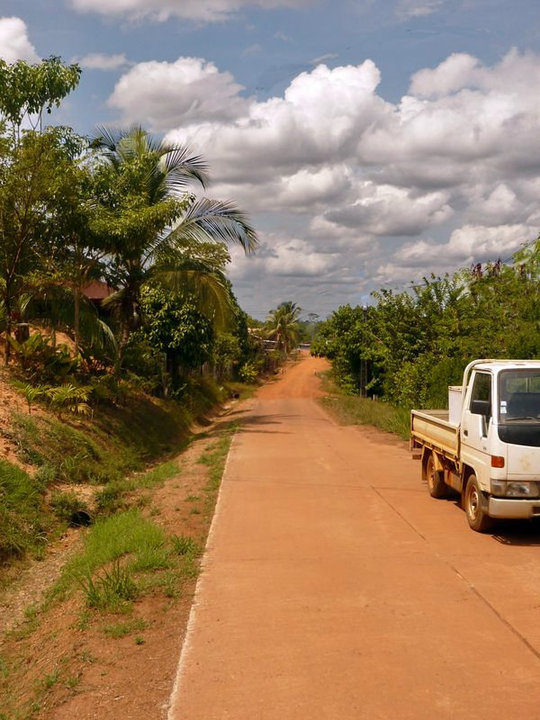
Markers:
point(23, 521)
point(123, 629)
point(104, 451)
point(215, 457)
point(127, 533)
point(113, 591)
point(114, 496)
point(353, 410)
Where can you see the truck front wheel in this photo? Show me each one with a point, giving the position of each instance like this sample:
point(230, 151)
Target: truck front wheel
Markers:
point(434, 478)
point(473, 502)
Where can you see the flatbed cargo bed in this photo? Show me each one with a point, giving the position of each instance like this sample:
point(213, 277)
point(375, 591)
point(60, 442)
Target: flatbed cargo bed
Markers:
point(431, 428)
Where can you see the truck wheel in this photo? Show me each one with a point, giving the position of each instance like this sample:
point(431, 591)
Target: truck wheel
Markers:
point(434, 478)
point(473, 504)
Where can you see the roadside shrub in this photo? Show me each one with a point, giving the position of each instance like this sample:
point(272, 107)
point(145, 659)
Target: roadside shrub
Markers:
point(249, 372)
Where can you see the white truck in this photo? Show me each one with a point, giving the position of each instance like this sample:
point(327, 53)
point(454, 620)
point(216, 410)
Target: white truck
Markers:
point(486, 446)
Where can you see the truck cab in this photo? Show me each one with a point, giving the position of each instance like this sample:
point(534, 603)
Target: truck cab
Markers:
point(500, 439)
point(487, 446)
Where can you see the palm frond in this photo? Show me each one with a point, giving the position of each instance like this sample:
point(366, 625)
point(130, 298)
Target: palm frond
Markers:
point(206, 219)
point(181, 168)
point(207, 290)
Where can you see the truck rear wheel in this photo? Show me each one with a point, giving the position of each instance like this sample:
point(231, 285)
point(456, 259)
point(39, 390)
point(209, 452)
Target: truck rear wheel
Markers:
point(434, 478)
point(473, 502)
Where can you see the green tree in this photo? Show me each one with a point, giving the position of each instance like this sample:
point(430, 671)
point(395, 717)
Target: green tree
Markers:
point(282, 325)
point(176, 328)
point(418, 341)
point(27, 91)
point(155, 225)
point(27, 195)
point(31, 165)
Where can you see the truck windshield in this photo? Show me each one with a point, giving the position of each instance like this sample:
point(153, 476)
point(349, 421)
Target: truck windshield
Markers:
point(519, 396)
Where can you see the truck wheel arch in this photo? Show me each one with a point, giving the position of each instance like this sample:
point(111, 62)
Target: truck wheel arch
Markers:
point(433, 474)
point(475, 506)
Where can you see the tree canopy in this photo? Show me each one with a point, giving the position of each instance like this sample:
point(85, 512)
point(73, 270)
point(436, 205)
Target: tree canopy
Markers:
point(409, 346)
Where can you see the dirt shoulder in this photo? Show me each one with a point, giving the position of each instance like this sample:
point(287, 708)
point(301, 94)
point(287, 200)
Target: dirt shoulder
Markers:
point(70, 661)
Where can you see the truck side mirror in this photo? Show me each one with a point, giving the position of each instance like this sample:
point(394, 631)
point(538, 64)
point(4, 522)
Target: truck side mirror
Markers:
point(481, 407)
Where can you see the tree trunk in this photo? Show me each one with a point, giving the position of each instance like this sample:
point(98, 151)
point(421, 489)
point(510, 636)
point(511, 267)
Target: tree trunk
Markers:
point(77, 319)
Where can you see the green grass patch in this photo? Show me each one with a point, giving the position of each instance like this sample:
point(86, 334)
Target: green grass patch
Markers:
point(215, 456)
point(112, 591)
point(353, 410)
point(123, 629)
point(112, 538)
point(24, 522)
point(127, 555)
point(185, 546)
point(113, 497)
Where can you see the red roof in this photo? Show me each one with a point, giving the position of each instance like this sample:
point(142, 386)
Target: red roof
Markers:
point(97, 290)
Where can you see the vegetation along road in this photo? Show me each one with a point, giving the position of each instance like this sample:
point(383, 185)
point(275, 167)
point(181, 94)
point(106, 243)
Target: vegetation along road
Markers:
point(335, 587)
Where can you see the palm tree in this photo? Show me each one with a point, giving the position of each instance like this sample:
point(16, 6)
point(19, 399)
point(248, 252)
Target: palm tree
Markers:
point(282, 325)
point(153, 224)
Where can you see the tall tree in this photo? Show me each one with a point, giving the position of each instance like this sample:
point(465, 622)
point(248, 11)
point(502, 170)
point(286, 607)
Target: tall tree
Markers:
point(30, 173)
point(27, 91)
point(150, 218)
point(282, 325)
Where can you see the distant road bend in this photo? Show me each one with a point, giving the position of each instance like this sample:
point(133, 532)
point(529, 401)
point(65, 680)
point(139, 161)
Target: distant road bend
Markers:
point(335, 588)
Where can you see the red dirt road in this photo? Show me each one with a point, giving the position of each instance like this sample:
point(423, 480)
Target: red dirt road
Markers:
point(335, 588)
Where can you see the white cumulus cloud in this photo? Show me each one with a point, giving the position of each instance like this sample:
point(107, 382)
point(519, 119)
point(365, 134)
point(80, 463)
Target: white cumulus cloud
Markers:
point(387, 210)
point(162, 95)
point(466, 246)
point(279, 257)
point(14, 42)
point(453, 166)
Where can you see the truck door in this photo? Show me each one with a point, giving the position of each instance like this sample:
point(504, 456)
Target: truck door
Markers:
point(475, 427)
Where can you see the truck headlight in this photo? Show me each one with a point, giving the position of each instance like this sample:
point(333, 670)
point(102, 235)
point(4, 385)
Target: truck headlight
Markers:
point(526, 488)
point(521, 489)
point(498, 487)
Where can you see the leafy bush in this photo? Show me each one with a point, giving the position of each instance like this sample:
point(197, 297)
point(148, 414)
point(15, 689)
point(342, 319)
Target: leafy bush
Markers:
point(41, 360)
point(249, 372)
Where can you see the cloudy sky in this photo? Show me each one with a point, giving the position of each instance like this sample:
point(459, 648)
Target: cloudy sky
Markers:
point(370, 141)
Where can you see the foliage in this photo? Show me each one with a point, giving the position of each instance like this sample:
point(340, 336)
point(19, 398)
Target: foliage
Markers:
point(65, 504)
point(152, 223)
point(185, 545)
point(177, 328)
point(28, 90)
point(69, 397)
point(409, 346)
point(249, 372)
point(351, 410)
point(282, 325)
point(41, 360)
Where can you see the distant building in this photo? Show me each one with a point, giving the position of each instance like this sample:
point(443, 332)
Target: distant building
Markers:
point(97, 291)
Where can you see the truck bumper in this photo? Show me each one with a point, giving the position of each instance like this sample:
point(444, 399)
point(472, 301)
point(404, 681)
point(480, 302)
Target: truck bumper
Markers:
point(513, 509)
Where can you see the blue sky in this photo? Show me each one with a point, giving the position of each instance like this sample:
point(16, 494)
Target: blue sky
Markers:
point(371, 142)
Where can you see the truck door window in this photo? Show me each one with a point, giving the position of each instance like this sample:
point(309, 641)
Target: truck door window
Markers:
point(481, 395)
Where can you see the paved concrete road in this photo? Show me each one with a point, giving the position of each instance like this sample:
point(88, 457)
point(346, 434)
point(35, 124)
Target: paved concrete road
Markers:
point(335, 588)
